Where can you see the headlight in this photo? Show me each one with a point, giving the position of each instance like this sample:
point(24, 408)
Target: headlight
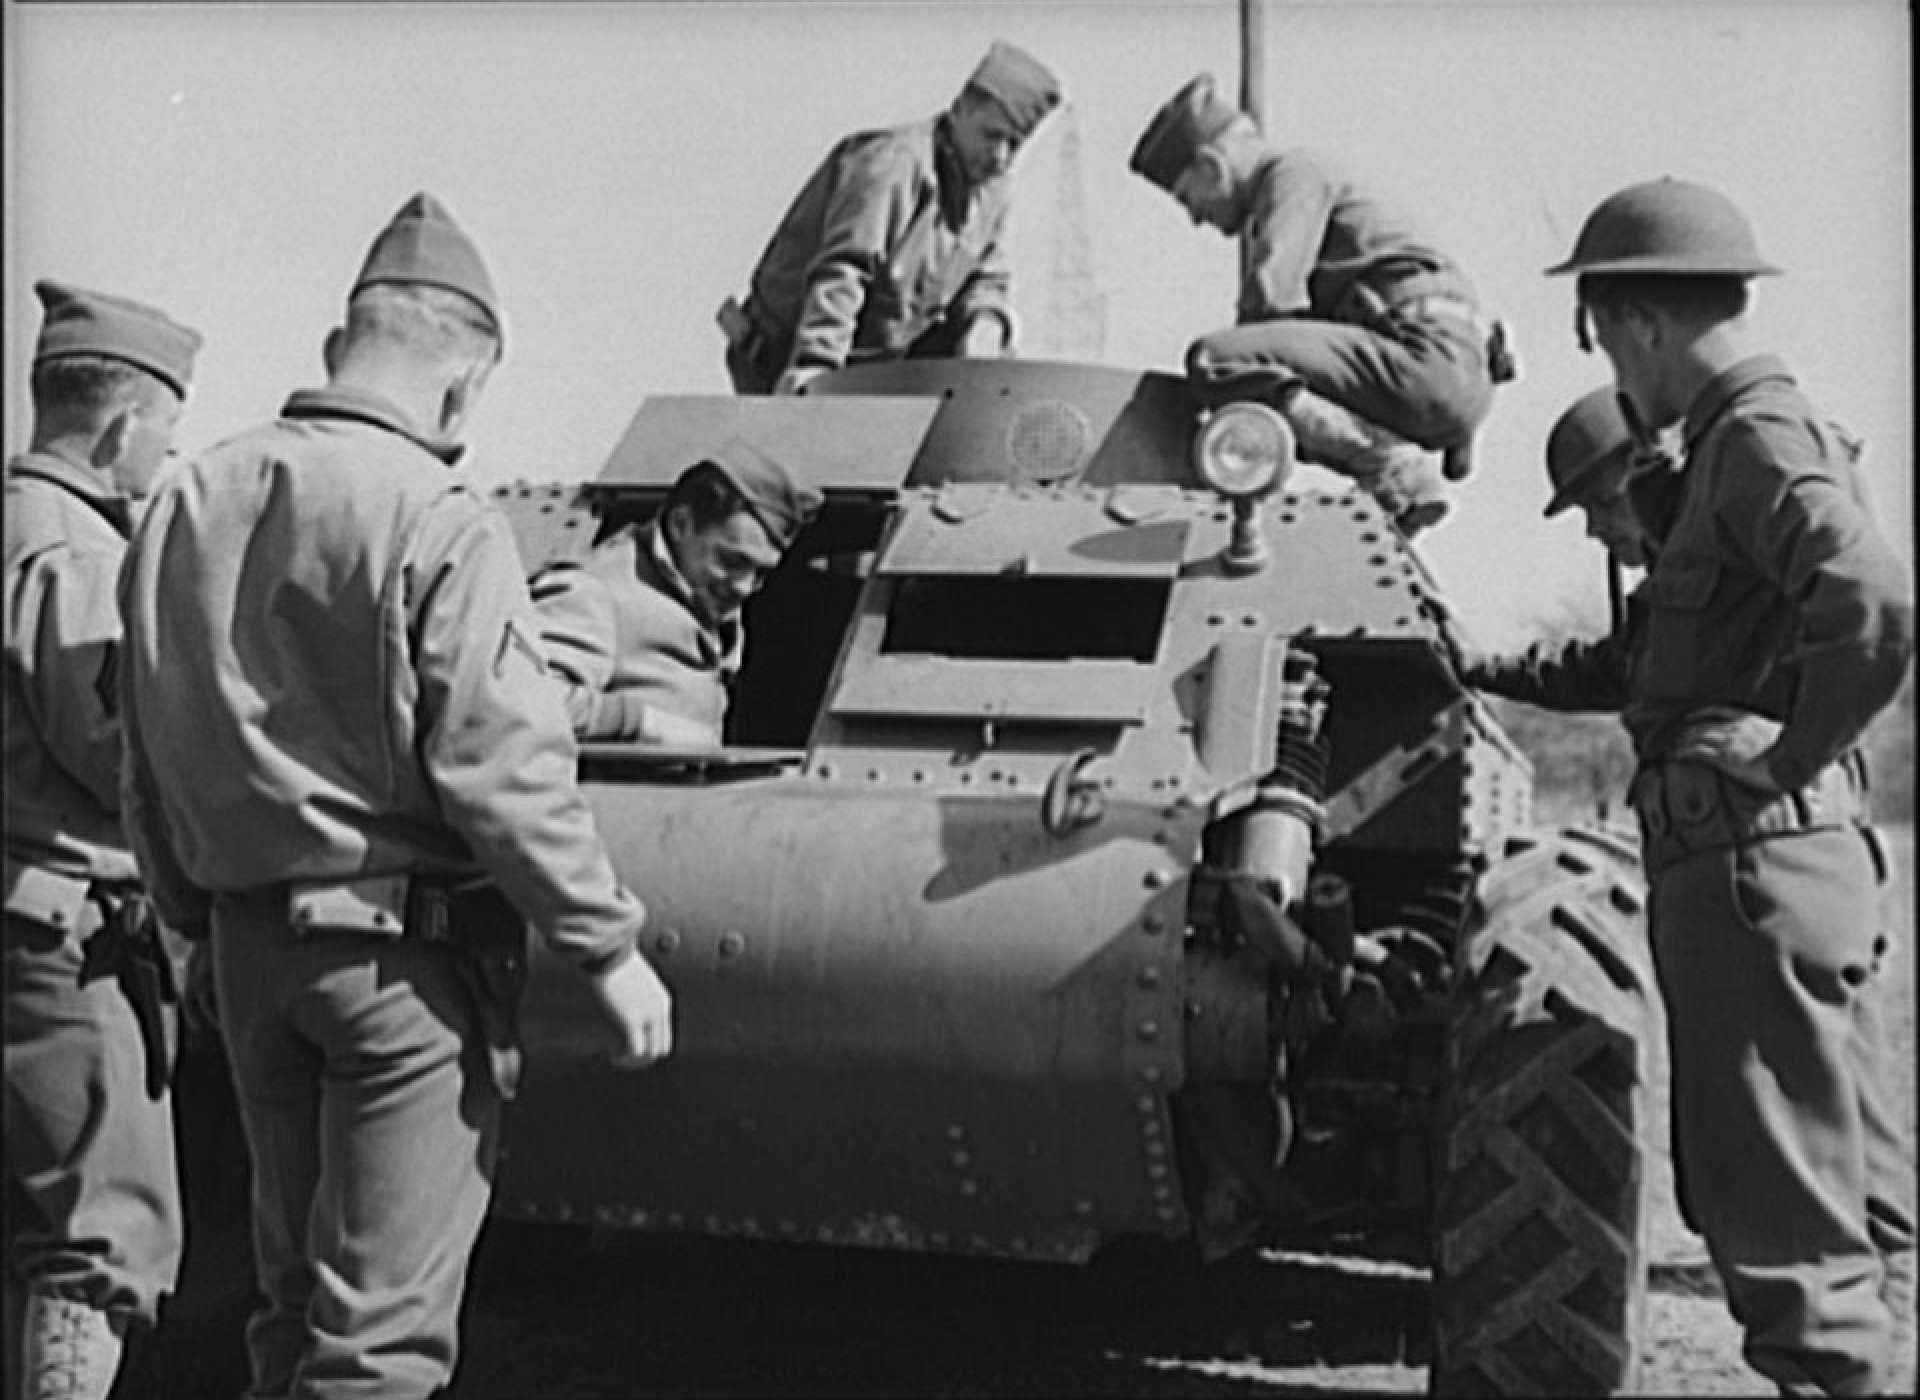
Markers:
point(1244, 449)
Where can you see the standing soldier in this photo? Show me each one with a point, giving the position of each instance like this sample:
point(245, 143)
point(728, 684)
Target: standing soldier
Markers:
point(1778, 623)
point(93, 1212)
point(1369, 339)
point(893, 247)
point(335, 710)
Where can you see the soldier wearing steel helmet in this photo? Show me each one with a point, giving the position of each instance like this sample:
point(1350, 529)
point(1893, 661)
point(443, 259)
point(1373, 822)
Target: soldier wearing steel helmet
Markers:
point(338, 732)
point(1593, 464)
point(1777, 623)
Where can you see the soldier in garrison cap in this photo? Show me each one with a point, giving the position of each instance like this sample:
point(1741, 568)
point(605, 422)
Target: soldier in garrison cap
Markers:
point(1777, 622)
point(894, 246)
point(1363, 334)
point(93, 1223)
point(646, 633)
point(346, 759)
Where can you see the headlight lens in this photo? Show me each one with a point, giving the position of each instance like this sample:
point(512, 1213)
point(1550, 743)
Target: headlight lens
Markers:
point(1244, 449)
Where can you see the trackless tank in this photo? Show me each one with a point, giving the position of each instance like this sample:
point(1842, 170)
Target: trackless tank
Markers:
point(1103, 847)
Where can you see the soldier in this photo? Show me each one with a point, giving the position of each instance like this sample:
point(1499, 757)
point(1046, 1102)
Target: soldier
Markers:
point(893, 247)
point(1777, 623)
point(1366, 337)
point(93, 1210)
point(335, 711)
point(646, 633)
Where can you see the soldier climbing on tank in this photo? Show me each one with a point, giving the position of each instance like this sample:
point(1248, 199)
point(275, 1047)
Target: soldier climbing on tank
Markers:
point(1366, 337)
point(894, 246)
point(646, 633)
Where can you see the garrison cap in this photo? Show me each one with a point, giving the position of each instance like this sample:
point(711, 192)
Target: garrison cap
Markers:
point(779, 502)
point(1019, 82)
point(1189, 119)
point(1589, 439)
point(422, 243)
point(78, 322)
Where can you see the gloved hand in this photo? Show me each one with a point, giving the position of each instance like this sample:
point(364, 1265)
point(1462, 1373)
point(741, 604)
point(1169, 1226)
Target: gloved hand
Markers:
point(1734, 742)
point(640, 1008)
point(796, 379)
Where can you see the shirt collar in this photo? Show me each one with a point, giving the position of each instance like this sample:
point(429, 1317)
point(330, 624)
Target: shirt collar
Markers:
point(1728, 385)
point(728, 633)
point(83, 482)
point(343, 401)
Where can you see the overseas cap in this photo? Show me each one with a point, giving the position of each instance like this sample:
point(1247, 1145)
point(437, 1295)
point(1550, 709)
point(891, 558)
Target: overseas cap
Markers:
point(1019, 82)
point(1589, 439)
point(1190, 118)
point(777, 501)
point(79, 322)
point(423, 244)
point(1666, 226)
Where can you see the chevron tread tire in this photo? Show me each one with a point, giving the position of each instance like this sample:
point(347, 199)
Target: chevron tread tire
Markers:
point(1554, 1039)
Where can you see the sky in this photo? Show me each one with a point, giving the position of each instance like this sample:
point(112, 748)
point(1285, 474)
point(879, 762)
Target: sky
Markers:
point(622, 164)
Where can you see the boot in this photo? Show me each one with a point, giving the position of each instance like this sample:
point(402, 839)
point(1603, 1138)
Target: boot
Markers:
point(1402, 476)
point(68, 1350)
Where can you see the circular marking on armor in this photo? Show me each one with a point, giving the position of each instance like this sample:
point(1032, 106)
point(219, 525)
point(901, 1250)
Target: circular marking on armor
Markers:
point(732, 944)
point(1048, 440)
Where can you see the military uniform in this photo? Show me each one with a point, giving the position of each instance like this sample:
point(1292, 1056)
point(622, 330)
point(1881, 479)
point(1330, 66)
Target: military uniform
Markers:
point(334, 704)
point(1342, 290)
point(1775, 595)
point(93, 1204)
point(621, 633)
point(889, 250)
point(93, 1223)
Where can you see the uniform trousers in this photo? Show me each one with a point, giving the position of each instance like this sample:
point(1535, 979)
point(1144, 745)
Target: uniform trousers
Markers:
point(373, 1124)
point(1790, 1154)
point(93, 1197)
point(1424, 378)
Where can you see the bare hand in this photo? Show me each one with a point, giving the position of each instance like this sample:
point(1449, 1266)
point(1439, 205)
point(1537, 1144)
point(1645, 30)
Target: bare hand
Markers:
point(986, 339)
point(1732, 742)
point(641, 1009)
point(795, 380)
point(658, 726)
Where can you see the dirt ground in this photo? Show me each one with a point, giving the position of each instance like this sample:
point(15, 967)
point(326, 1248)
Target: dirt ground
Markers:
point(554, 1315)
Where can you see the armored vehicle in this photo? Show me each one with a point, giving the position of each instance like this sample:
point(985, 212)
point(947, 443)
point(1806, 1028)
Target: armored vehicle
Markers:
point(1103, 847)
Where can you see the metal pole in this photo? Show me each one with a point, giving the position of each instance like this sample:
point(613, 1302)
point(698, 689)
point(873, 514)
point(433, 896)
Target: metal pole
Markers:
point(1253, 82)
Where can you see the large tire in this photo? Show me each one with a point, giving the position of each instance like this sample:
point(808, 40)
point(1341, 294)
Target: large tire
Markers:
point(1545, 1132)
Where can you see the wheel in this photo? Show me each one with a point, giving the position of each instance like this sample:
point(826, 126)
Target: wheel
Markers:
point(1544, 1134)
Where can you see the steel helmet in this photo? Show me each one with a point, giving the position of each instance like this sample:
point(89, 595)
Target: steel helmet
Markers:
point(1670, 226)
point(1589, 438)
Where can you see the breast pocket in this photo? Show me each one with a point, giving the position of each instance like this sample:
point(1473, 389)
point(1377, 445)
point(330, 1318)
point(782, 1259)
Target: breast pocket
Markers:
point(1680, 609)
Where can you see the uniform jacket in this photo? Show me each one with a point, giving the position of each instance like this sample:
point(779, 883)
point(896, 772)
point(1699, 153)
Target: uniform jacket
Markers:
point(1593, 674)
point(620, 632)
point(885, 240)
point(330, 673)
point(65, 537)
point(1774, 592)
point(1318, 238)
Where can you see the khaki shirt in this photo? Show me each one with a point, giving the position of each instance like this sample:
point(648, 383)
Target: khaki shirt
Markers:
point(65, 537)
point(330, 673)
point(1774, 592)
point(620, 631)
point(884, 241)
point(1316, 236)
